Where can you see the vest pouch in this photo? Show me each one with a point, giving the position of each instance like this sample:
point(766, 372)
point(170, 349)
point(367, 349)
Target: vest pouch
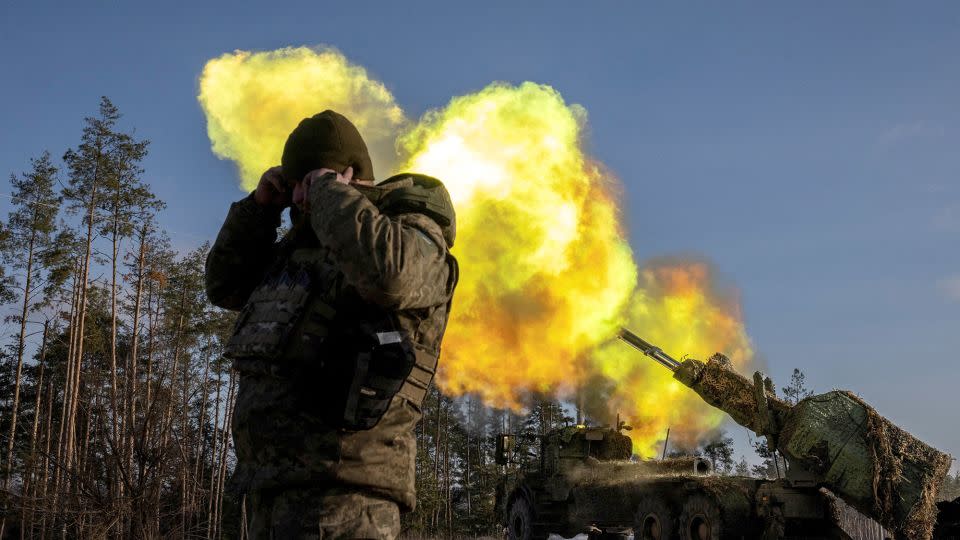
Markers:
point(273, 309)
point(360, 372)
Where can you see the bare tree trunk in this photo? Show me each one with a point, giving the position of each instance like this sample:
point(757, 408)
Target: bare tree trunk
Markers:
point(184, 443)
point(200, 451)
point(26, 521)
point(149, 430)
point(153, 318)
point(60, 471)
point(214, 456)
point(481, 466)
point(167, 420)
point(436, 463)
point(467, 430)
point(94, 405)
point(46, 462)
point(82, 319)
point(446, 472)
point(168, 412)
point(21, 344)
point(114, 411)
point(224, 447)
point(131, 393)
point(436, 442)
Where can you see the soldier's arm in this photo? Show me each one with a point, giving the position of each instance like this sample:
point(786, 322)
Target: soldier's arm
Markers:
point(240, 255)
point(398, 262)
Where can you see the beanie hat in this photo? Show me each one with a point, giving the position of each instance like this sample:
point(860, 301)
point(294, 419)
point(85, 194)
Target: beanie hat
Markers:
point(328, 140)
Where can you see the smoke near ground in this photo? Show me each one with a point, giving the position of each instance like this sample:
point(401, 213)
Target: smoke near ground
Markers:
point(548, 275)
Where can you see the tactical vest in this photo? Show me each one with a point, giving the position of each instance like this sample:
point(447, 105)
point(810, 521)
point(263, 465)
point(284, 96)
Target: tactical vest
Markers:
point(346, 358)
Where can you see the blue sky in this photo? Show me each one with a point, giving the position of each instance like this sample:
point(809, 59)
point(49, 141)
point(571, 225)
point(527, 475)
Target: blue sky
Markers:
point(808, 150)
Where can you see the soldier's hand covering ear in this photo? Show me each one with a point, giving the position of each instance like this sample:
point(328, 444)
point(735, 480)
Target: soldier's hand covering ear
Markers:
point(344, 178)
point(271, 191)
point(301, 196)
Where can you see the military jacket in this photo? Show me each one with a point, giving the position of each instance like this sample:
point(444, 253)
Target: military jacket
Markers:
point(398, 263)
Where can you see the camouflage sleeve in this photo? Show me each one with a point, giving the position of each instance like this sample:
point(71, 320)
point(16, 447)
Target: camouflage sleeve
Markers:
point(398, 262)
point(241, 253)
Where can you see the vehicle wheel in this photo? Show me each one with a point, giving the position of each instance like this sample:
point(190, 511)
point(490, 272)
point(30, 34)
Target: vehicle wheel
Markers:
point(520, 519)
point(654, 520)
point(700, 519)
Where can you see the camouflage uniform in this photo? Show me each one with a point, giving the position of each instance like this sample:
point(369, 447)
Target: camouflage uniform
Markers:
point(302, 477)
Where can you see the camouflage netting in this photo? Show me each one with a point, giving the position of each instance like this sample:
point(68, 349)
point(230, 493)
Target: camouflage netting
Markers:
point(726, 488)
point(613, 446)
point(680, 465)
point(903, 466)
point(872, 464)
point(719, 385)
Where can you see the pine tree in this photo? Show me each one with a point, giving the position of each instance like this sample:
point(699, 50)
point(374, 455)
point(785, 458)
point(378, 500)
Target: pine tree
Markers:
point(125, 203)
point(773, 465)
point(91, 167)
point(720, 453)
point(797, 389)
point(121, 420)
point(6, 281)
point(742, 468)
point(31, 225)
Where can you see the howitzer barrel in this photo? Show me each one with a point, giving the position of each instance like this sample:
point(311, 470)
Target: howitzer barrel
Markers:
point(652, 351)
point(715, 381)
point(834, 440)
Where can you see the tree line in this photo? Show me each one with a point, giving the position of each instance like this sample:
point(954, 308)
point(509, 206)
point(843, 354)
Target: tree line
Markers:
point(116, 402)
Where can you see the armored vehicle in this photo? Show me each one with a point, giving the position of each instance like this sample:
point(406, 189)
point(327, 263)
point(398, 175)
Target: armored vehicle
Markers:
point(851, 474)
point(586, 482)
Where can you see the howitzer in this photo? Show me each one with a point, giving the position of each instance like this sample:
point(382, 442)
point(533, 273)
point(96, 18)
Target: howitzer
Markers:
point(832, 440)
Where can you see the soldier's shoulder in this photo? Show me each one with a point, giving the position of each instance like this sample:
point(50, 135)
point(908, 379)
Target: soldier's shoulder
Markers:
point(427, 231)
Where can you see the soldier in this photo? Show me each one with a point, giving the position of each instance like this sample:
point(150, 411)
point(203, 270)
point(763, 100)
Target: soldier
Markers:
point(338, 336)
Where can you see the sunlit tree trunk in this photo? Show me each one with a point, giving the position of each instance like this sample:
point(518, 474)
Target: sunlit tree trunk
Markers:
point(214, 456)
point(200, 450)
point(60, 472)
point(21, 343)
point(224, 447)
point(26, 521)
point(131, 369)
point(46, 463)
point(69, 447)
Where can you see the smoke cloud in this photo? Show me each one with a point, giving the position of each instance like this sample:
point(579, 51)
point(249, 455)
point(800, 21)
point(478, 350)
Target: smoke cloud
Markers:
point(253, 100)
